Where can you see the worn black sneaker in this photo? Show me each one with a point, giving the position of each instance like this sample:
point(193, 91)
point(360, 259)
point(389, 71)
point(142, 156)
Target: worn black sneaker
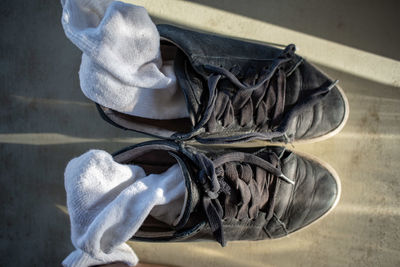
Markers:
point(237, 194)
point(240, 91)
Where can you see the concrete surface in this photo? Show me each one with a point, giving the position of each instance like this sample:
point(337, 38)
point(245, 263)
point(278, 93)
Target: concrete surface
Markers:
point(45, 121)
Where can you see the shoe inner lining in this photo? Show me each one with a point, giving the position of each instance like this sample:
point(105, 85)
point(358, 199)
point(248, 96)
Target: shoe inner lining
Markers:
point(154, 159)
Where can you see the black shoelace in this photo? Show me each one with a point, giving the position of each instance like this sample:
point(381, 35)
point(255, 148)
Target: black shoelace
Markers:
point(244, 181)
point(260, 101)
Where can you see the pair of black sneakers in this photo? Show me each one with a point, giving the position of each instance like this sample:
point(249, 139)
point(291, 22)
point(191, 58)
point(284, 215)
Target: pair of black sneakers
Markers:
point(240, 91)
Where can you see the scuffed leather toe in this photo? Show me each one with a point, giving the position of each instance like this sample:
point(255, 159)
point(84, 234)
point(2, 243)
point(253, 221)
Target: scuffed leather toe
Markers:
point(325, 117)
point(314, 196)
point(315, 193)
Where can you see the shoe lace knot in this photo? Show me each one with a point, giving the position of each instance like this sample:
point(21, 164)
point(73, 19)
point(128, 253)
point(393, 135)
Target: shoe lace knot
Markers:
point(238, 185)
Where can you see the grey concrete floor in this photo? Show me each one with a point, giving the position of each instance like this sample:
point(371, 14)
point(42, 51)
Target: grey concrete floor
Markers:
point(45, 121)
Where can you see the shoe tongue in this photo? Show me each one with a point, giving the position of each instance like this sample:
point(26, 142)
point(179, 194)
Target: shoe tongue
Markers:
point(192, 194)
point(191, 84)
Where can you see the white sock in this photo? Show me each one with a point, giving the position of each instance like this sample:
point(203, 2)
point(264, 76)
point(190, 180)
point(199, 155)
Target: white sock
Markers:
point(108, 202)
point(121, 64)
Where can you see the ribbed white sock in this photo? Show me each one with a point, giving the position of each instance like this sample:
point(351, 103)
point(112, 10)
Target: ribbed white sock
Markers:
point(108, 202)
point(122, 68)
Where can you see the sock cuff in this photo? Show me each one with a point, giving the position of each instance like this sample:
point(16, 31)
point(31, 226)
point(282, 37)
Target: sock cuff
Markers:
point(123, 253)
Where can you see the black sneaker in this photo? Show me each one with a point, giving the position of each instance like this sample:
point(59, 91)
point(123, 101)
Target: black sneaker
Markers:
point(237, 194)
point(240, 91)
